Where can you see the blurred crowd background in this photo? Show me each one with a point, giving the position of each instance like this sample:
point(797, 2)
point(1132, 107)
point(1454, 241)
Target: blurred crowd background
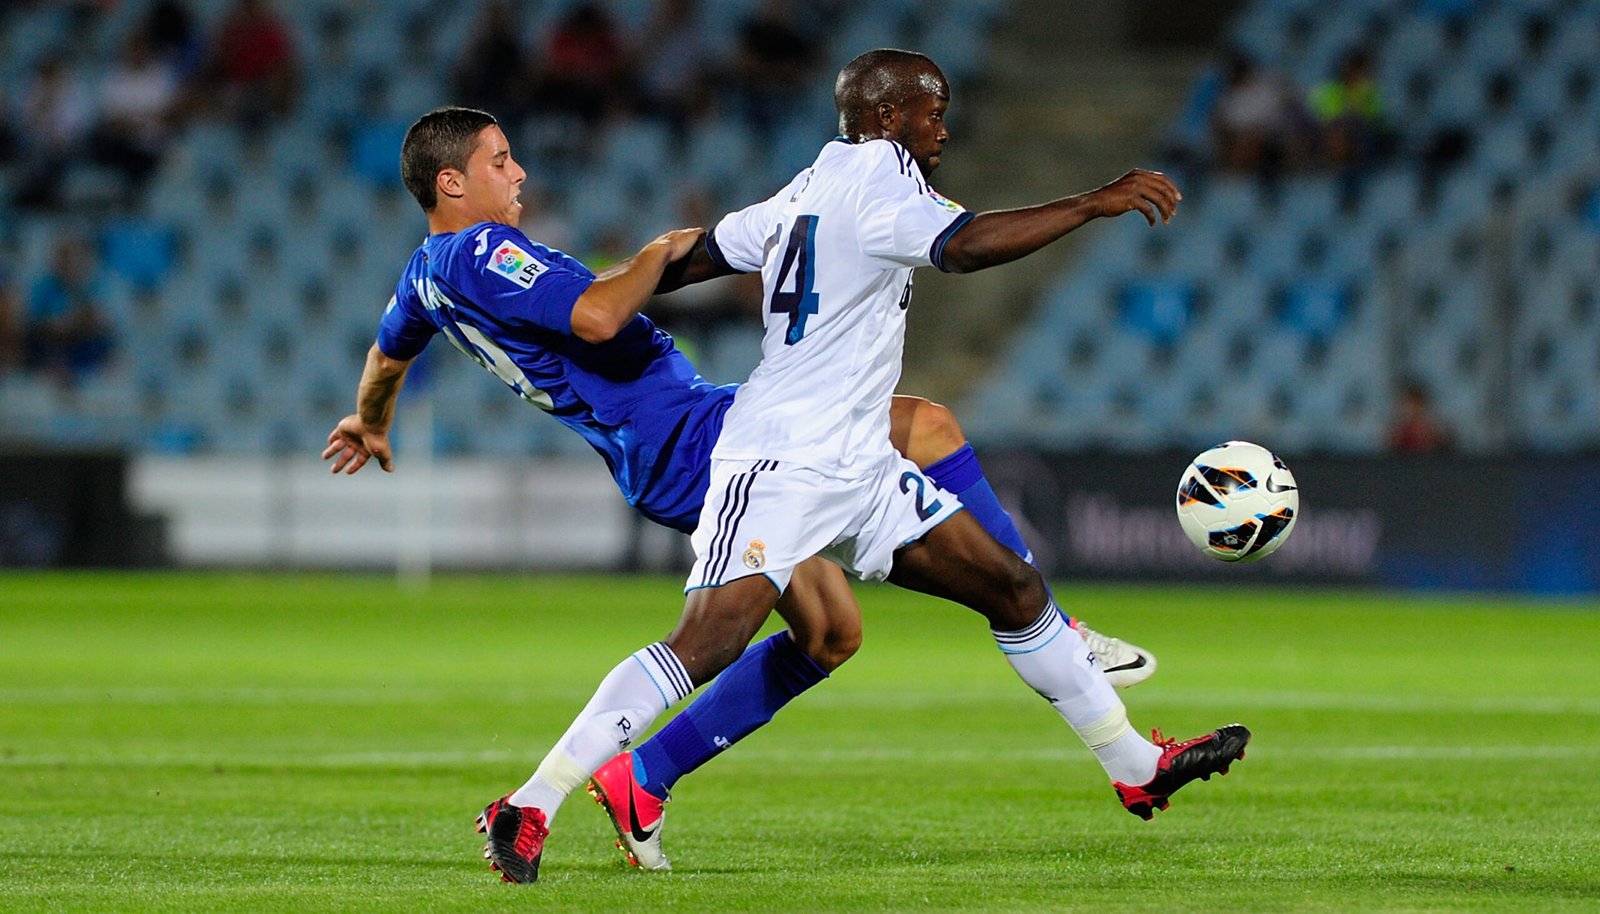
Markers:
point(1389, 239)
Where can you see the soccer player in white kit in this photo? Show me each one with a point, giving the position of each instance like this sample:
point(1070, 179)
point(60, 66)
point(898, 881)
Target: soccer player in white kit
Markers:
point(804, 464)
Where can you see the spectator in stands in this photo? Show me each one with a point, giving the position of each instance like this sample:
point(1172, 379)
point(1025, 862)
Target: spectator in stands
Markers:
point(675, 65)
point(65, 336)
point(1417, 428)
point(59, 114)
point(138, 111)
point(252, 63)
point(174, 38)
point(772, 70)
point(585, 66)
point(1349, 112)
point(493, 51)
point(10, 325)
point(1258, 122)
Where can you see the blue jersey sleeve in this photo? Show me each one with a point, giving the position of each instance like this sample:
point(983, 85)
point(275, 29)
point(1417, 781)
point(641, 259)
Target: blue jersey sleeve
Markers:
point(519, 281)
point(404, 331)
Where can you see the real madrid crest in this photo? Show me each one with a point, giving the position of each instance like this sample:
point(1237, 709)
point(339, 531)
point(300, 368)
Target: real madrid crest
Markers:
point(756, 555)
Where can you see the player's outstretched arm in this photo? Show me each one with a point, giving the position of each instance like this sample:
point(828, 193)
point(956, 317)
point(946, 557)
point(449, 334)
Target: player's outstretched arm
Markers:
point(1001, 236)
point(618, 293)
point(697, 266)
point(365, 434)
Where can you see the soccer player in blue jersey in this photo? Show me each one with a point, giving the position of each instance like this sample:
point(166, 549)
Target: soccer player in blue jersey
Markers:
point(574, 344)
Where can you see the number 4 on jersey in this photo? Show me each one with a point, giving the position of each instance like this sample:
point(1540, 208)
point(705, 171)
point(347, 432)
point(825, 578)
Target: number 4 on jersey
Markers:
point(797, 258)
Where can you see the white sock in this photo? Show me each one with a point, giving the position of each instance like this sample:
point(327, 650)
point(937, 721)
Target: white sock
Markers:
point(622, 709)
point(1052, 658)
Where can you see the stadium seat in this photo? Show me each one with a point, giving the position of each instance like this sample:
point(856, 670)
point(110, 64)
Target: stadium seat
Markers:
point(138, 250)
point(1157, 308)
point(719, 152)
point(1315, 306)
point(375, 148)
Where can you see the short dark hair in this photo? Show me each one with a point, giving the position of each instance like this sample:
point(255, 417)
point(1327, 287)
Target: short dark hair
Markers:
point(881, 75)
point(442, 138)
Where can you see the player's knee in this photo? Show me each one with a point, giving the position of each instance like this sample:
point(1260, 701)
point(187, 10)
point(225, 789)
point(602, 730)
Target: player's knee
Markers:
point(933, 432)
point(839, 645)
point(829, 647)
point(1025, 597)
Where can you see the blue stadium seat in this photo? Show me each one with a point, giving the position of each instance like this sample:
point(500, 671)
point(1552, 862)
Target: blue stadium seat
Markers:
point(1240, 304)
point(719, 152)
point(1315, 306)
point(1157, 308)
point(1577, 147)
point(630, 152)
point(1275, 252)
point(1458, 101)
point(375, 150)
point(1576, 38)
point(1232, 202)
point(1505, 146)
point(213, 148)
point(1495, 40)
point(138, 250)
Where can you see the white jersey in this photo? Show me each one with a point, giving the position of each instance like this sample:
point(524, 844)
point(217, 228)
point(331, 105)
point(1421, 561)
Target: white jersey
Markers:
point(836, 249)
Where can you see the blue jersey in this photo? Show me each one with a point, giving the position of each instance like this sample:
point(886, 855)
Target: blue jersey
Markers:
point(507, 303)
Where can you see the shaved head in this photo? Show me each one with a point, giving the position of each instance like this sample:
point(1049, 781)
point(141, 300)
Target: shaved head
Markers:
point(885, 76)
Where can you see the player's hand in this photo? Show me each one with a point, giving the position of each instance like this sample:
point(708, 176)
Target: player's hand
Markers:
point(1150, 192)
point(680, 242)
point(351, 444)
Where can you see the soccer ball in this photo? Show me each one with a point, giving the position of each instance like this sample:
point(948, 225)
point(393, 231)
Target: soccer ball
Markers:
point(1238, 502)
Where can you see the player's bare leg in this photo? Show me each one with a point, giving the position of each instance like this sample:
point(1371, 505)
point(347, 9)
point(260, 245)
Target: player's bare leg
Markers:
point(958, 561)
point(929, 435)
point(823, 615)
point(718, 622)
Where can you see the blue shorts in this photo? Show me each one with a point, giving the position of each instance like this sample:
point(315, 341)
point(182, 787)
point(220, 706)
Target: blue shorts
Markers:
point(675, 489)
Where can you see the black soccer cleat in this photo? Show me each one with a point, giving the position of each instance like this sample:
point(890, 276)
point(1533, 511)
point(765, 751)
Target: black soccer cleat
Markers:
point(1181, 763)
point(516, 839)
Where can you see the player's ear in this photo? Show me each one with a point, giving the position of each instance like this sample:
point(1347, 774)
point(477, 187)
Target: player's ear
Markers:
point(450, 182)
point(888, 117)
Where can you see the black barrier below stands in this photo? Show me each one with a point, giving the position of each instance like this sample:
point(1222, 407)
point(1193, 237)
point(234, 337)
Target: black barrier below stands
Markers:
point(1452, 522)
point(70, 509)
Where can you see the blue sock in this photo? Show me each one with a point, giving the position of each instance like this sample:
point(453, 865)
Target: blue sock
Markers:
point(745, 696)
point(960, 473)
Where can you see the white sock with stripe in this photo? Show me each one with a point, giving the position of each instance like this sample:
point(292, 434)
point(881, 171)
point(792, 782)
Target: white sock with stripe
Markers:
point(1053, 659)
point(629, 699)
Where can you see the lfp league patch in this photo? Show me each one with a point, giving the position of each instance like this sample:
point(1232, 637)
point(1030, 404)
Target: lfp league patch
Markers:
point(946, 202)
point(516, 264)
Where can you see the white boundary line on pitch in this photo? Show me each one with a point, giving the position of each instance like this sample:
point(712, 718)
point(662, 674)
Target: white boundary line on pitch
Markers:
point(453, 759)
point(1264, 700)
point(826, 698)
point(254, 695)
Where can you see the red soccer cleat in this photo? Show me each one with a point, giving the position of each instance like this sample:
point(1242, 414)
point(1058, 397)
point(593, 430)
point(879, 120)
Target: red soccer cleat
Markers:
point(516, 839)
point(1181, 763)
point(635, 813)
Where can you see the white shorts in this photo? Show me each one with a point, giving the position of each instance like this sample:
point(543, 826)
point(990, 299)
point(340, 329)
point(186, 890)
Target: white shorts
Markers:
point(765, 517)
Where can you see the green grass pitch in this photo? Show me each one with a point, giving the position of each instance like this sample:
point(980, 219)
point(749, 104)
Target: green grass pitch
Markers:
point(287, 743)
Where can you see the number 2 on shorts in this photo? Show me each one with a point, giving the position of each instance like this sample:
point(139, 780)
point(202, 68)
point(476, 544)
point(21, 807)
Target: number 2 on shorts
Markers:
point(924, 511)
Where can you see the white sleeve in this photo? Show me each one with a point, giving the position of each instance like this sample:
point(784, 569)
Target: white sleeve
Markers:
point(903, 221)
point(739, 240)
